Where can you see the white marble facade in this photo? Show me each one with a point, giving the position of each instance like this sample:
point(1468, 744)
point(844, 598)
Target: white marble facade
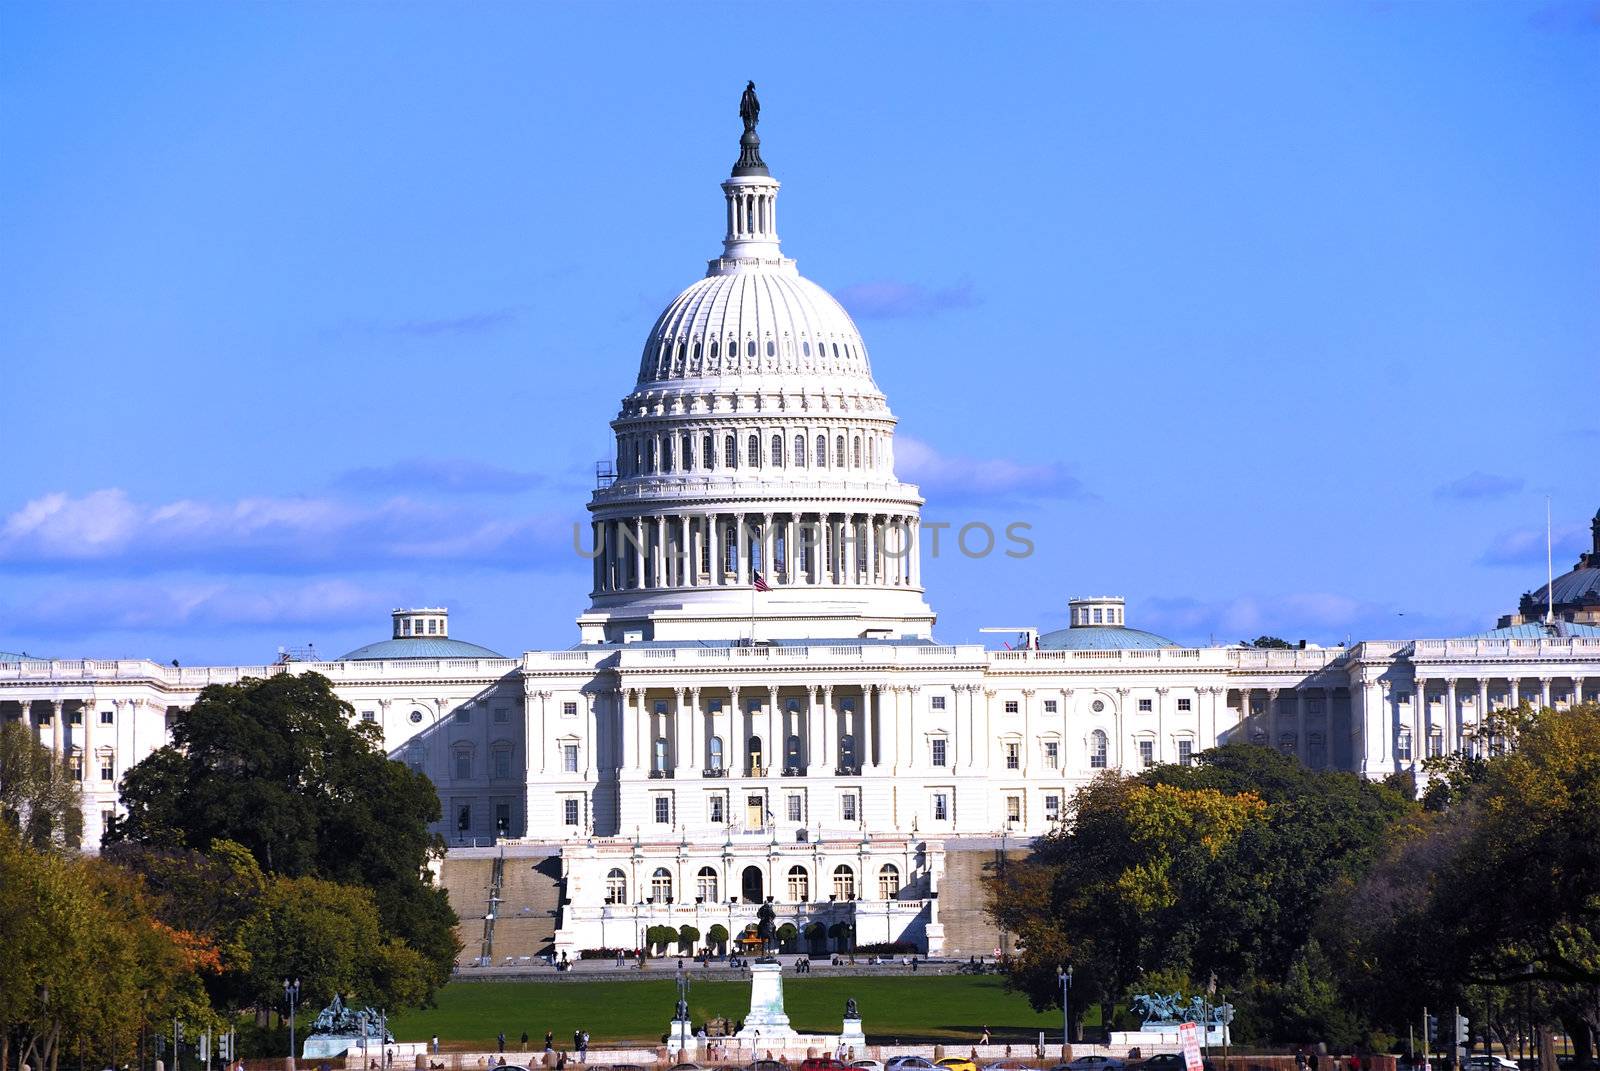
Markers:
point(756, 686)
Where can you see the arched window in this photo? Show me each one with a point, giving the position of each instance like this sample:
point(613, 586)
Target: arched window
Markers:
point(730, 545)
point(713, 347)
point(799, 451)
point(777, 450)
point(855, 452)
point(1098, 749)
point(716, 752)
point(822, 451)
point(847, 751)
point(688, 453)
point(666, 454)
point(752, 448)
point(772, 348)
point(616, 887)
point(838, 451)
point(705, 885)
point(805, 348)
point(888, 882)
point(844, 882)
point(660, 758)
point(661, 885)
point(697, 351)
point(799, 884)
point(836, 351)
point(753, 750)
point(1286, 743)
point(730, 453)
point(792, 753)
point(708, 455)
point(750, 348)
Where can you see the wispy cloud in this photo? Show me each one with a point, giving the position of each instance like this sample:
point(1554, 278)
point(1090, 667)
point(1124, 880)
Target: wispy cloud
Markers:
point(888, 299)
point(1321, 617)
point(447, 475)
point(471, 324)
point(1477, 486)
point(1525, 546)
point(264, 534)
point(117, 606)
point(966, 477)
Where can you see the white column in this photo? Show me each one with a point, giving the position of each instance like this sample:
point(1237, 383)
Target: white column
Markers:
point(57, 730)
point(1544, 692)
point(1027, 730)
point(1452, 725)
point(1419, 719)
point(697, 734)
point(776, 720)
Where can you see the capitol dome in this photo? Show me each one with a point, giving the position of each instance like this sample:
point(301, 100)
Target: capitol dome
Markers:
point(773, 322)
point(419, 633)
point(753, 494)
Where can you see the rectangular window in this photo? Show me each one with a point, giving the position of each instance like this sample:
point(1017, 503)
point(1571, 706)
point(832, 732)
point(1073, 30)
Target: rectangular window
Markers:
point(569, 812)
point(847, 807)
point(1313, 706)
point(367, 715)
point(502, 763)
point(1258, 706)
point(663, 810)
point(106, 818)
point(1147, 752)
point(938, 751)
point(108, 769)
point(938, 702)
point(75, 718)
point(716, 812)
point(661, 706)
point(1052, 754)
point(1052, 806)
point(1185, 752)
point(1013, 756)
point(463, 714)
point(1402, 697)
point(1145, 705)
point(569, 758)
point(502, 818)
point(1049, 706)
point(502, 715)
point(941, 807)
point(1435, 745)
point(1185, 704)
point(463, 765)
point(107, 716)
point(793, 805)
point(1097, 618)
point(464, 818)
point(77, 767)
point(1013, 809)
point(1011, 706)
point(1402, 747)
point(569, 710)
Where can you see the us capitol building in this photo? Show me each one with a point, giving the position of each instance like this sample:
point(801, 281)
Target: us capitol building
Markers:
point(757, 709)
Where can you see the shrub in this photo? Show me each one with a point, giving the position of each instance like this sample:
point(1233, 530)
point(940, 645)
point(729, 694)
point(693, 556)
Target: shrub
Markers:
point(717, 934)
point(687, 936)
point(889, 948)
point(606, 953)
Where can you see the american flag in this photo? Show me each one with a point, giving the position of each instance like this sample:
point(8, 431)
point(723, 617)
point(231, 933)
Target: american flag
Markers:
point(761, 583)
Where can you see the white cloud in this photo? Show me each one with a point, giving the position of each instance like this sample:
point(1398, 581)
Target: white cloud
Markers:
point(949, 476)
point(1525, 546)
point(120, 605)
point(268, 534)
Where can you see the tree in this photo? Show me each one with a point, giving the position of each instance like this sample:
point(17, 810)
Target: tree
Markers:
point(1269, 642)
point(659, 937)
point(1502, 879)
point(86, 964)
point(717, 935)
point(38, 796)
point(1184, 873)
point(282, 767)
point(687, 936)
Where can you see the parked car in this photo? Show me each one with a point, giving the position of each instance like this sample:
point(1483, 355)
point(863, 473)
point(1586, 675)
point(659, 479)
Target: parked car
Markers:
point(1093, 1063)
point(957, 1063)
point(766, 1065)
point(1007, 1065)
point(823, 1063)
point(1483, 1061)
point(1163, 1061)
point(909, 1063)
point(625, 1067)
point(685, 1067)
point(867, 1065)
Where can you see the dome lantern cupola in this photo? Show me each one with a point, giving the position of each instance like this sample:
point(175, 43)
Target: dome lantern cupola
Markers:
point(752, 196)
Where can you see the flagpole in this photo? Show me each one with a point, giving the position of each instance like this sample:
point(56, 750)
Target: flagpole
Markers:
point(1549, 569)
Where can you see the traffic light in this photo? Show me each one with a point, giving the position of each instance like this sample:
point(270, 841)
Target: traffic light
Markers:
point(1433, 1028)
point(225, 1047)
point(1461, 1029)
point(204, 1054)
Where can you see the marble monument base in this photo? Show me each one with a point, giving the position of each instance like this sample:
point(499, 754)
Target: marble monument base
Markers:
point(852, 1037)
point(1166, 1036)
point(681, 1037)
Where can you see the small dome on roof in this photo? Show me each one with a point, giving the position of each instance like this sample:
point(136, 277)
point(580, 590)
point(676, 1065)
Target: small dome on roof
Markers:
point(419, 633)
point(1098, 625)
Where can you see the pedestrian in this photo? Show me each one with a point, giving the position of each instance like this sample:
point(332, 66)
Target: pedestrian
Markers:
point(583, 1049)
point(502, 1041)
point(436, 1044)
point(561, 1060)
point(1311, 1060)
point(985, 1039)
point(524, 1041)
point(577, 1038)
point(549, 1040)
point(1300, 1060)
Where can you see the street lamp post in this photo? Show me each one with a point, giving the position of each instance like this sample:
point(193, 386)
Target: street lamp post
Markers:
point(291, 993)
point(1065, 976)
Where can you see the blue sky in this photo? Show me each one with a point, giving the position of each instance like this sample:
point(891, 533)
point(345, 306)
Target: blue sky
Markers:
point(1273, 318)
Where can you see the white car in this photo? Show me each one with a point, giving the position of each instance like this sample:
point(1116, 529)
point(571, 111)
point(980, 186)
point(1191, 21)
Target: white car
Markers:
point(909, 1063)
point(1488, 1062)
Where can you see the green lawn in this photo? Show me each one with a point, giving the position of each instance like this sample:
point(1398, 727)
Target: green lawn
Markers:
point(951, 1007)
